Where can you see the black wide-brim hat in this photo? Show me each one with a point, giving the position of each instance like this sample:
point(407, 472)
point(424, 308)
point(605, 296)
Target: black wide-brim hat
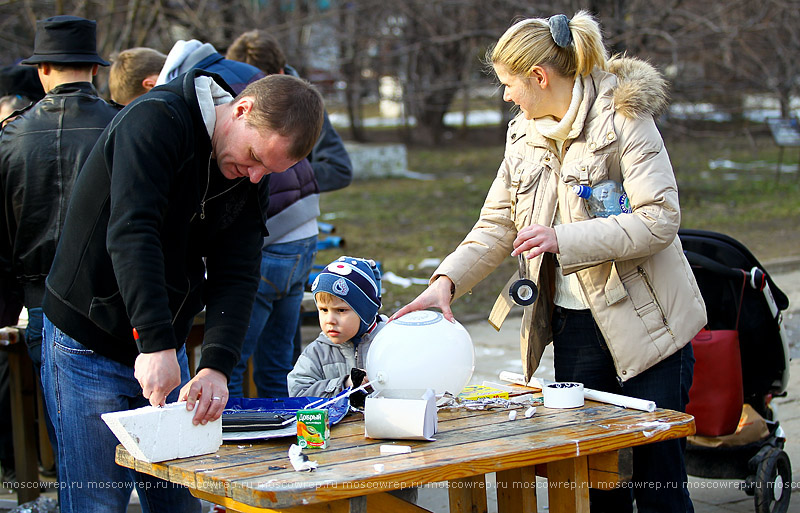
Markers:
point(65, 40)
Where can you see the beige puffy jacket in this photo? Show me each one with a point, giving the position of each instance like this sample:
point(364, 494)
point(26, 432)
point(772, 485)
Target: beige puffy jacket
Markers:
point(640, 287)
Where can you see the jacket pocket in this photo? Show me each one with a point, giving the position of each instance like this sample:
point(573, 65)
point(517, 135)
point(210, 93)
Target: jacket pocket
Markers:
point(519, 174)
point(109, 313)
point(587, 171)
point(645, 302)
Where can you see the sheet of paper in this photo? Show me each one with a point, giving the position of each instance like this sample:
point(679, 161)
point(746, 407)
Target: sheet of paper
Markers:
point(401, 415)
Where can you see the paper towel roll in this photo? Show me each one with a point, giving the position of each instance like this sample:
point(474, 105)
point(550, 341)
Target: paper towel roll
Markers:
point(563, 395)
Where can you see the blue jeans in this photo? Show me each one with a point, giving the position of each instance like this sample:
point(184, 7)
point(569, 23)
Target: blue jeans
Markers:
point(276, 312)
point(80, 385)
point(581, 354)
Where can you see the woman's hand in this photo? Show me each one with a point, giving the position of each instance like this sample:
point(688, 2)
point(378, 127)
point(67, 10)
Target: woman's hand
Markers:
point(535, 239)
point(437, 295)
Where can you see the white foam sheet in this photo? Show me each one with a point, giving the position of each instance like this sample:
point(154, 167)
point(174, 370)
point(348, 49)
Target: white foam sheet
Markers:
point(158, 434)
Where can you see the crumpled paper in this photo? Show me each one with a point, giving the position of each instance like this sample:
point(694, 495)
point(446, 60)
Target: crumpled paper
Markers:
point(300, 461)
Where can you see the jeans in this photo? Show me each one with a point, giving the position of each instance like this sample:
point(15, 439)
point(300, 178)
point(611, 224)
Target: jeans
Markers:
point(276, 313)
point(581, 354)
point(80, 385)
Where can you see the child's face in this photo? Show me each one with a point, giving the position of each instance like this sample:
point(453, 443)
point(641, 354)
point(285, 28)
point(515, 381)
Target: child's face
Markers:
point(338, 321)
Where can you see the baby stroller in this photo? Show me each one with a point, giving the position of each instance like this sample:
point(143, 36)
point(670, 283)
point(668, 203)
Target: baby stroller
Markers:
point(740, 295)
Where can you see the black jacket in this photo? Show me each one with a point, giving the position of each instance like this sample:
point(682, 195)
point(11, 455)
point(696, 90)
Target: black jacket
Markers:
point(156, 233)
point(41, 153)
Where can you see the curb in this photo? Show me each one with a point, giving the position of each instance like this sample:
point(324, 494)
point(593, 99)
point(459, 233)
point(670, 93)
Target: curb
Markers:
point(782, 265)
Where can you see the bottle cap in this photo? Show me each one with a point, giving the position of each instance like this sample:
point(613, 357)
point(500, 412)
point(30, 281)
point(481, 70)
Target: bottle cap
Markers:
point(582, 191)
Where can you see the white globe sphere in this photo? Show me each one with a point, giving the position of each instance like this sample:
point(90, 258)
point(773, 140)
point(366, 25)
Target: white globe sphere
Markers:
point(421, 350)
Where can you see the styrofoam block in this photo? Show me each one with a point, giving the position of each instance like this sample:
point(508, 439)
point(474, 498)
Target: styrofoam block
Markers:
point(158, 434)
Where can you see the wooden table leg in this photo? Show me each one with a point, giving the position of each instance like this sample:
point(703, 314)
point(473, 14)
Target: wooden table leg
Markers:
point(468, 495)
point(516, 490)
point(568, 485)
point(23, 402)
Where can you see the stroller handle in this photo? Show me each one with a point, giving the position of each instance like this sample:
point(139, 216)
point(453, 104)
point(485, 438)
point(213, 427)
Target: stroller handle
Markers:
point(755, 276)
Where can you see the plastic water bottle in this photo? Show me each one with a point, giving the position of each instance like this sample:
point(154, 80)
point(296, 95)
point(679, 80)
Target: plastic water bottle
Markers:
point(606, 198)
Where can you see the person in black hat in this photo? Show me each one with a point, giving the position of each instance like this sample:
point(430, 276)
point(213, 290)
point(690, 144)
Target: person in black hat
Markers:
point(19, 88)
point(41, 152)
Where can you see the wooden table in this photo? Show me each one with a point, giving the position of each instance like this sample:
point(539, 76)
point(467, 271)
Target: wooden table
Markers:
point(574, 448)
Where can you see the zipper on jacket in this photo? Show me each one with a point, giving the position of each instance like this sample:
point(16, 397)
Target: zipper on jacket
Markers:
point(185, 297)
point(646, 279)
point(205, 193)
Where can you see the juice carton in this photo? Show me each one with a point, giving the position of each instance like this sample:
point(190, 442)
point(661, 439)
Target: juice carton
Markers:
point(313, 431)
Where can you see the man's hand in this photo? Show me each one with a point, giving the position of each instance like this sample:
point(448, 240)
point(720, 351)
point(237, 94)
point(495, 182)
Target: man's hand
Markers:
point(158, 374)
point(206, 394)
point(437, 295)
point(535, 239)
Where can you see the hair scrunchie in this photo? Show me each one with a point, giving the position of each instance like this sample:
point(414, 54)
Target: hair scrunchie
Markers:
point(559, 29)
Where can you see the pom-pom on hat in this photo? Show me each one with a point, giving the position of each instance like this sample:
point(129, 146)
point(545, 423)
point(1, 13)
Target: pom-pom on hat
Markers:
point(355, 281)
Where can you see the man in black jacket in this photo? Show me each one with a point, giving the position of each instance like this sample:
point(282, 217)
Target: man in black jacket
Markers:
point(167, 217)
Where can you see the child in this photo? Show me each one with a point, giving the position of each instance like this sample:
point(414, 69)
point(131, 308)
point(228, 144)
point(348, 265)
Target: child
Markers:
point(348, 297)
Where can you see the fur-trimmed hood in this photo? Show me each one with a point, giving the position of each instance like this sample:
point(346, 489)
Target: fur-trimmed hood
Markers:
point(641, 89)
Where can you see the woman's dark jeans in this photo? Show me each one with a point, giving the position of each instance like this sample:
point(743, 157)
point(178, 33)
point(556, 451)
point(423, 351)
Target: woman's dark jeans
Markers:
point(659, 474)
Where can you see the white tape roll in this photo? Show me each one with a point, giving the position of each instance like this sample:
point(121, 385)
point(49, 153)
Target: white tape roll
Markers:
point(563, 395)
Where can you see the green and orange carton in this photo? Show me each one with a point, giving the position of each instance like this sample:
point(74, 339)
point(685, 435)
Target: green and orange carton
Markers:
point(313, 430)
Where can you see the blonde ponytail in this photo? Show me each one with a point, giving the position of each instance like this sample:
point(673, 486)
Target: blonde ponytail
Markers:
point(531, 42)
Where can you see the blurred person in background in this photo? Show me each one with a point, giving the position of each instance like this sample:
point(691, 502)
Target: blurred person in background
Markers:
point(133, 72)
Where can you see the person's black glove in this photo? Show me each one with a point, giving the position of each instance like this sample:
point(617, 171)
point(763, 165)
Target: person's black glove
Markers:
point(357, 399)
point(357, 376)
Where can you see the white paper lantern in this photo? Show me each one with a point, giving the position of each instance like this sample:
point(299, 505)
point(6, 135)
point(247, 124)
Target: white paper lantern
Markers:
point(421, 350)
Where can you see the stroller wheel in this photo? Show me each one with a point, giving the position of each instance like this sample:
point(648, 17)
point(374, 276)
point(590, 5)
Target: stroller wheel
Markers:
point(773, 483)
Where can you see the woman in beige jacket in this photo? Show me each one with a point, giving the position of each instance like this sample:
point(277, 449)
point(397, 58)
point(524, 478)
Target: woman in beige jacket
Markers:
point(617, 297)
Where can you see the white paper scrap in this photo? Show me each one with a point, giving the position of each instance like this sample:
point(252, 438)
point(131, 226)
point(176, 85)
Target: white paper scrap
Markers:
point(395, 449)
point(300, 461)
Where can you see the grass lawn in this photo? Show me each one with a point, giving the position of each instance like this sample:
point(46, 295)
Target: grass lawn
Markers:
point(402, 222)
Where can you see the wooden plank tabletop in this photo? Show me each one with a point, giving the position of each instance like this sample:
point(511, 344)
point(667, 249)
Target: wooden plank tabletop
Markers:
point(468, 443)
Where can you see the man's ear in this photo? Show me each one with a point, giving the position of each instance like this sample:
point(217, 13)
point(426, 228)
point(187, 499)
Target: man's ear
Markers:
point(243, 106)
point(94, 69)
point(149, 82)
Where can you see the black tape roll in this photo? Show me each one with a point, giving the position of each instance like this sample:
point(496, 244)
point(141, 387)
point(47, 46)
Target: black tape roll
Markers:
point(523, 292)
